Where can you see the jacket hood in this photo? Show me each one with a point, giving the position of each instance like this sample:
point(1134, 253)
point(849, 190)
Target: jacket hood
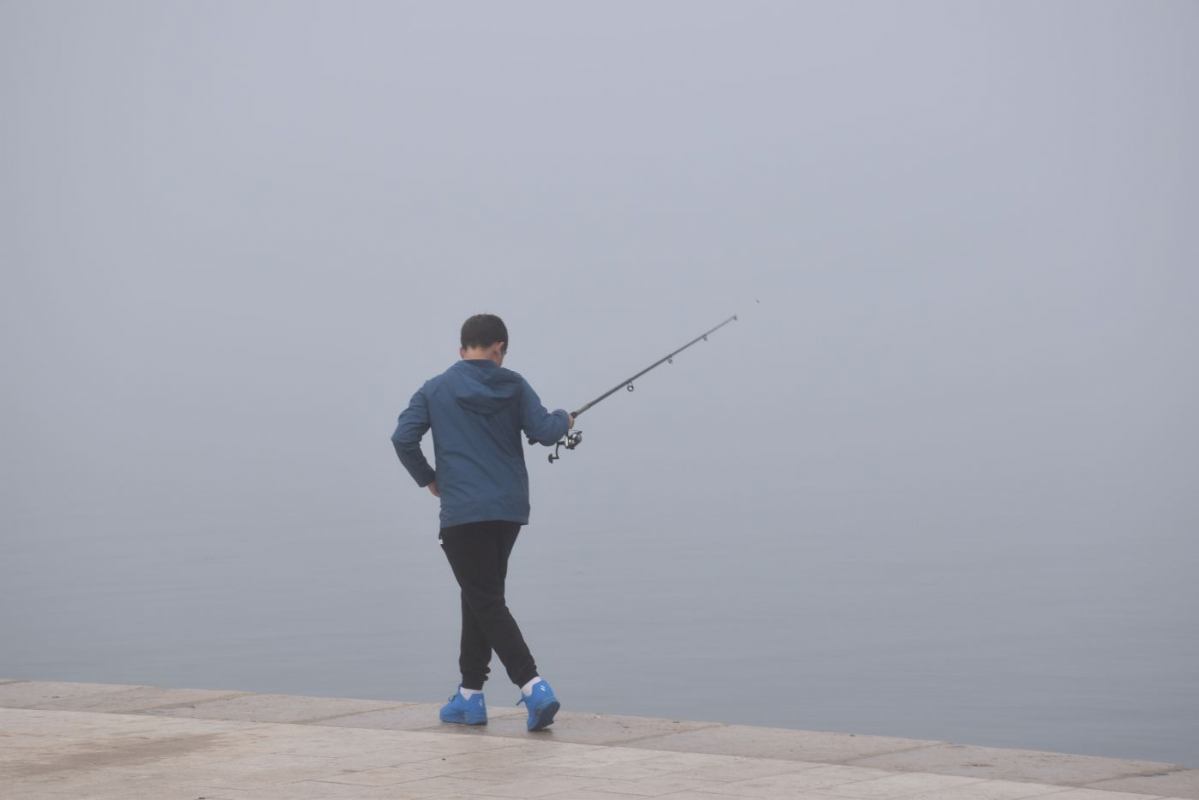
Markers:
point(484, 387)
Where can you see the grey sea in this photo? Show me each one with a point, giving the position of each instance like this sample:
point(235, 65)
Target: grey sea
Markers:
point(1057, 644)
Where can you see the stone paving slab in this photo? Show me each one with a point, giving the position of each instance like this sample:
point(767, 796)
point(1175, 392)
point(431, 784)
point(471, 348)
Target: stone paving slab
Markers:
point(575, 727)
point(823, 778)
point(1177, 782)
point(1090, 794)
point(409, 717)
point(583, 728)
point(30, 694)
point(624, 763)
point(995, 762)
point(903, 784)
point(46, 753)
point(783, 743)
point(991, 790)
point(276, 708)
point(139, 698)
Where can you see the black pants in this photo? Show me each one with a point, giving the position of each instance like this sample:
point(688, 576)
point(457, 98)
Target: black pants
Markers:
point(478, 554)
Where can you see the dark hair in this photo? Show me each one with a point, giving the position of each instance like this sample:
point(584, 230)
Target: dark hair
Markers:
point(484, 330)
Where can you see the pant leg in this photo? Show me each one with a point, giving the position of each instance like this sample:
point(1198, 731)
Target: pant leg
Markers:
point(478, 555)
point(505, 540)
point(474, 653)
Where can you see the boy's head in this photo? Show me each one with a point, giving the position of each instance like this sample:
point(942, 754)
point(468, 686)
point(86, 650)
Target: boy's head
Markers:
point(484, 336)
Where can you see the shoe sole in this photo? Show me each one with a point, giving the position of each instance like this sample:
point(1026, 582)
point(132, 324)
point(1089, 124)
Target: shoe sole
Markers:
point(462, 721)
point(545, 716)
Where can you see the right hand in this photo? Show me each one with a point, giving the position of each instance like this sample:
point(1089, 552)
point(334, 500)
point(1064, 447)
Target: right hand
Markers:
point(570, 421)
point(434, 490)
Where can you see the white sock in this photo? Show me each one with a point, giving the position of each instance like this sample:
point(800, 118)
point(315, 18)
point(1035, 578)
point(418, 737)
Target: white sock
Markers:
point(527, 689)
point(468, 693)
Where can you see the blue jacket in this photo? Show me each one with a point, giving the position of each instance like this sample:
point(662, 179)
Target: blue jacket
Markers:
point(477, 410)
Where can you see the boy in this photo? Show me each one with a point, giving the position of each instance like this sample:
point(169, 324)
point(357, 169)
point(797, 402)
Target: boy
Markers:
point(477, 410)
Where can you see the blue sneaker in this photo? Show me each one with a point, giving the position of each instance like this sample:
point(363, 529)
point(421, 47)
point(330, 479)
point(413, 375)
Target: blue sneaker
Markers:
point(465, 712)
point(542, 705)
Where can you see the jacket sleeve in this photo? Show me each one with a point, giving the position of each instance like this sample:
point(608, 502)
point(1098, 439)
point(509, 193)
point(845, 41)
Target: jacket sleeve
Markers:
point(541, 426)
point(413, 423)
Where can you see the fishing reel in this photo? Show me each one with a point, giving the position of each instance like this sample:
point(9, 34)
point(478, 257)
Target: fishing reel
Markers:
point(572, 440)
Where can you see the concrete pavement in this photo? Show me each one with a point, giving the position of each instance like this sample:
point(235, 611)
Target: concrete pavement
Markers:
point(90, 740)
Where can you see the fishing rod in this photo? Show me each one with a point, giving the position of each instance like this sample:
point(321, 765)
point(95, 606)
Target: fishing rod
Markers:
point(574, 438)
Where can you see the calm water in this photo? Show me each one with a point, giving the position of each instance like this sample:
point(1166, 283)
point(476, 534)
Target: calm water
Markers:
point(1053, 644)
